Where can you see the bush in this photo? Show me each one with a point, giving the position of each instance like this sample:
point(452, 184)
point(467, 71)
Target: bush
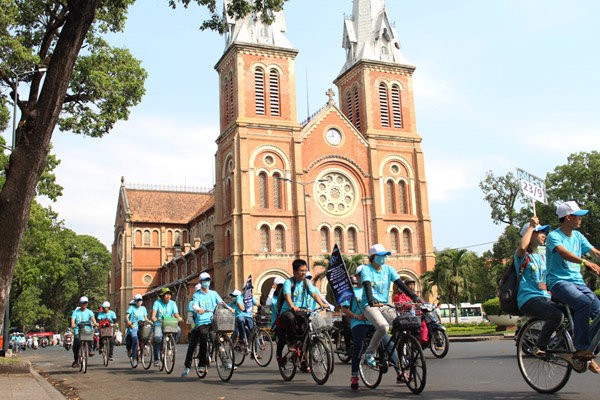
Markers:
point(597, 293)
point(492, 307)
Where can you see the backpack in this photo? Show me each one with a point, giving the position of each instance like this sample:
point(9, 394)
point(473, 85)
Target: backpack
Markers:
point(508, 288)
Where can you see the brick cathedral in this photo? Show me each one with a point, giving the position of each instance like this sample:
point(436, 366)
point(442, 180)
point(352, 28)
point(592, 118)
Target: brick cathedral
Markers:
point(351, 175)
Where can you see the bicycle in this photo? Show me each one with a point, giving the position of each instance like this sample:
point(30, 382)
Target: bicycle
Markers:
point(106, 334)
point(341, 348)
point(551, 372)
point(220, 347)
point(168, 350)
point(310, 350)
point(145, 346)
point(403, 341)
point(86, 336)
point(261, 349)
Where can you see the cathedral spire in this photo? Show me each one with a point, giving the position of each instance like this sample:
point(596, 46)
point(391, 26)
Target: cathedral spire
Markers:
point(369, 35)
point(252, 30)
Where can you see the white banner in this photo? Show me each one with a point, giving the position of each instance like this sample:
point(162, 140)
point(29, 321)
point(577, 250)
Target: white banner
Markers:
point(532, 186)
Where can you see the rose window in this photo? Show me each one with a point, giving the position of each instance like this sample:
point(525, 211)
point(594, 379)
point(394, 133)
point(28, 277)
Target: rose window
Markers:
point(336, 195)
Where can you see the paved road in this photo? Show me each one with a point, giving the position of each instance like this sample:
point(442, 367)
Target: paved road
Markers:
point(476, 370)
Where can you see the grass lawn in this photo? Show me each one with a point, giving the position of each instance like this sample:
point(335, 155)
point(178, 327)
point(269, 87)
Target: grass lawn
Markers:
point(475, 330)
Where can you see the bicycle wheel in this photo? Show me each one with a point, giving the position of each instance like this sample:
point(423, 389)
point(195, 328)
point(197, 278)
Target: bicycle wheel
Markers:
point(343, 349)
point(161, 356)
point(83, 357)
point(146, 354)
point(547, 374)
point(170, 352)
point(440, 344)
point(288, 365)
point(105, 350)
point(319, 360)
point(262, 348)
point(240, 352)
point(201, 372)
point(327, 341)
point(224, 356)
point(371, 376)
point(412, 363)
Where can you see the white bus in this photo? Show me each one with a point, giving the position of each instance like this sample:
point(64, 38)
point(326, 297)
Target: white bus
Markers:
point(469, 313)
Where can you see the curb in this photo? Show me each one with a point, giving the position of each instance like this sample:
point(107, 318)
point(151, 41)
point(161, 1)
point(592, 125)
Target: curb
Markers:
point(51, 392)
point(479, 338)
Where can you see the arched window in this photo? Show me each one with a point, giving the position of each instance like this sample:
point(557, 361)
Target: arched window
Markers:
point(137, 238)
point(259, 91)
point(274, 92)
point(147, 239)
point(403, 198)
point(155, 238)
point(406, 242)
point(225, 91)
point(338, 237)
point(351, 240)
point(390, 197)
point(324, 232)
point(395, 240)
point(230, 95)
point(228, 198)
point(356, 109)
point(262, 190)
point(384, 105)
point(265, 244)
point(396, 106)
point(279, 239)
point(349, 107)
point(276, 190)
point(177, 238)
point(227, 249)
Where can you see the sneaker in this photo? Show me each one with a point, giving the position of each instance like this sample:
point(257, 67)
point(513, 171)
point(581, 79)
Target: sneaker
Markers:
point(185, 372)
point(354, 383)
point(281, 361)
point(75, 364)
point(202, 369)
point(111, 358)
point(156, 363)
point(538, 351)
point(370, 359)
point(134, 365)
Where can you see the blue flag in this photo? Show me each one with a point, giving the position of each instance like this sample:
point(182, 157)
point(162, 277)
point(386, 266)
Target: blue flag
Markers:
point(337, 274)
point(248, 299)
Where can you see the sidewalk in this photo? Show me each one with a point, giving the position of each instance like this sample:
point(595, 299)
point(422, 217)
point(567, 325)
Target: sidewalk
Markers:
point(19, 381)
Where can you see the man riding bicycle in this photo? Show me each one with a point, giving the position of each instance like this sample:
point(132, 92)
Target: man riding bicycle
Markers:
point(163, 307)
point(107, 315)
point(297, 291)
point(81, 315)
point(376, 278)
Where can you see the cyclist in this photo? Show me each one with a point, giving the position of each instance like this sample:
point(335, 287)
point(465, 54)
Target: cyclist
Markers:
point(81, 315)
point(312, 304)
point(135, 313)
point(401, 298)
point(163, 307)
point(127, 337)
point(107, 314)
point(297, 291)
point(273, 298)
point(203, 304)
point(376, 278)
point(237, 303)
point(565, 247)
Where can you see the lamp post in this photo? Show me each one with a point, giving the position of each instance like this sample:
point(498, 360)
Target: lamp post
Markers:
point(12, 149)
point(304, 184)
point(15, 97)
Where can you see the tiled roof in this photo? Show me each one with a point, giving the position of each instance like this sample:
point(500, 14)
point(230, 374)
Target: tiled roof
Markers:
point(165, 206)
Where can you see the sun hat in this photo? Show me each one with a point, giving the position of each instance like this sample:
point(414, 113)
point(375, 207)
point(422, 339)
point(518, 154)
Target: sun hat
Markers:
point(279, 281)
point(539, 228)
point(106, 304)
point(164, 291)
point(83, 299)
point(378, 249)
point(204, 276)
point(569, 208)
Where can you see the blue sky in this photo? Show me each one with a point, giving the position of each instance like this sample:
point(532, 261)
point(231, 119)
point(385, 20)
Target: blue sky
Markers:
point(499, 84)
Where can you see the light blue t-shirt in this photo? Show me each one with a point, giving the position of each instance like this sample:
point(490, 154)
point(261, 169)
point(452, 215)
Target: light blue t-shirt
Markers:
point(533, 274)
point(559, 269)
point(380, 282)
point(300, 297)
point(239, 299)
point(110, 315)
point(137, 314)
point(312, 303)
point(164, 310)
point(81, 317)
point(352, 304)
point(206, 301)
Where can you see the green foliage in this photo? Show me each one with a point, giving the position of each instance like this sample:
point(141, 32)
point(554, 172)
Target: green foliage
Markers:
point(502, 193)
point(492, 307)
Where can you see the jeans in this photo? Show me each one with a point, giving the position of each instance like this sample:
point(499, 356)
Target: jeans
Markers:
point(374, 315)
point(135, 342)
point(243, 327)
point(585, 305)
point(359, 332)
point(540, 307)
point(158, 338)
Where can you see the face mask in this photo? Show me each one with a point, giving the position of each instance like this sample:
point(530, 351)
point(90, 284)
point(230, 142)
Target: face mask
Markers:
point(380, 259)
point(205, 284)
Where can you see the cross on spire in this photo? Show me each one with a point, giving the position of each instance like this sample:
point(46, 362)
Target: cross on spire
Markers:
point(331, 94)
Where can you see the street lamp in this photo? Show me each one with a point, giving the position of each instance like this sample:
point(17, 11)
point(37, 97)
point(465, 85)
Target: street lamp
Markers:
point(304, 184)
point(15, 97)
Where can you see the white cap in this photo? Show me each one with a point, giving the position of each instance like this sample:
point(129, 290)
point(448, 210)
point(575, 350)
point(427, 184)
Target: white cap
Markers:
point(279, 281)
point(308, 274)
point(204, 276)
point(569, 208)
point(538, 228)
point(83, 299)
point(106, 304)
point(132, 302)
point(379, 250)
point(235, 293)
point(358, 269)
point(138, 297)
point(198, 287)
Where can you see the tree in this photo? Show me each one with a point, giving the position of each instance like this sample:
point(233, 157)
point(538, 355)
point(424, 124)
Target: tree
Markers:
point(502, 194)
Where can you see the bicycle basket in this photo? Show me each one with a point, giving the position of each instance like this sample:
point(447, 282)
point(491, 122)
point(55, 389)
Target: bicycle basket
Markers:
point(389, 313)
point(407, 323)
point(146, 330)
point(170, 324)
point(86, 332)
point(106, 331)
point(321, 320)
point(223, 319)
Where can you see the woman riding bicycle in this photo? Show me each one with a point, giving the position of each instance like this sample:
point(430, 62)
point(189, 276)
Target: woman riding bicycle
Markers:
point(81, 315)
point(163, 307)
point(135, 314)
point(108, 315)
point(376, 278)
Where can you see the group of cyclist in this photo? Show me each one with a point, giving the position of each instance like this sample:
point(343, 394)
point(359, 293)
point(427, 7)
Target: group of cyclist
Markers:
point(83, 315)
point(557, 274)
